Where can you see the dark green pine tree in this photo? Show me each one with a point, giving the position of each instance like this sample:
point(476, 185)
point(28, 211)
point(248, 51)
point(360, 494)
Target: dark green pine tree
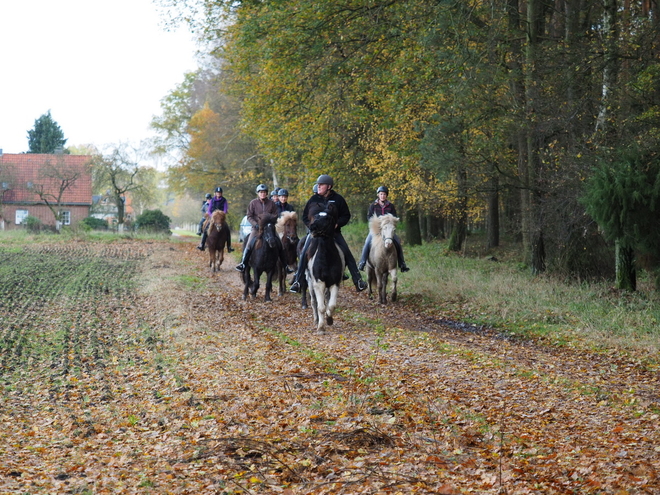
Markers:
point(623, 196)
point(46, 137)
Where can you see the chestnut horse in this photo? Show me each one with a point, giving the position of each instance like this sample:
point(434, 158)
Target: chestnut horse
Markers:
point(218, 235)
point(382, 261)
point(286, 227)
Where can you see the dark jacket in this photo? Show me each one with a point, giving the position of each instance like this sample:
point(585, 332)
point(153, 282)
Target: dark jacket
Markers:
point(282, 207)
point(333, 199)
point(378, 209)
point(217, 204)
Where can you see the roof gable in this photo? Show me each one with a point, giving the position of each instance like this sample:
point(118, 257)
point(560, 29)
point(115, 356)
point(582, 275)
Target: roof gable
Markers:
point(21, 175)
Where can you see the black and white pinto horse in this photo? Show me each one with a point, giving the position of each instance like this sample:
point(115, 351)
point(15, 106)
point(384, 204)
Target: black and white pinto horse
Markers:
point(263, 259)
point(325, 269)
point(287, 231)
point(382, 261)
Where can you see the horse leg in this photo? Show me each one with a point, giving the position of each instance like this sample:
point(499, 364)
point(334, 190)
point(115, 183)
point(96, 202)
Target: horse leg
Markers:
point(255, 283)
point(269, 284)
point(382, 288)
point(246, 281)
point(220, 257)
point(332, 303)
point(394, 275)
point(318, 291)
point(303, 294)
point(371, 280)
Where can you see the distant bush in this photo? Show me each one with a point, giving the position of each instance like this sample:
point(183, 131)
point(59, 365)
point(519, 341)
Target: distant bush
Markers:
point(92, 223)
point(153, 221)
point(33, 224)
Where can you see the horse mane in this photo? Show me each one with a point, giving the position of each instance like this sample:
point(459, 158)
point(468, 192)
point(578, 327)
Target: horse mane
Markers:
point(376, 222)
point(264, 219)
point(287, 216)
point(218, 216)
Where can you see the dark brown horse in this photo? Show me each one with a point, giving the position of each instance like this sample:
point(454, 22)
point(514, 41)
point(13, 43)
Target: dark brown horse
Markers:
point(287, 226)
point(218, 235)
point(264, 258)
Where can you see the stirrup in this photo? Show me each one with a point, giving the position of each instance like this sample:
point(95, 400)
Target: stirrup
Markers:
point(295, 287)
point(361, 265)
point(361, 285)
point(240, 267)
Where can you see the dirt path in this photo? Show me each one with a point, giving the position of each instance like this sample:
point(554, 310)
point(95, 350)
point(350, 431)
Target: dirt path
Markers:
point(196, 391)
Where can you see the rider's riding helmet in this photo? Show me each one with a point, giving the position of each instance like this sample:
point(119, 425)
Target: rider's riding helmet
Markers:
point(262, 187)
point(208, 196)
point(218, 189)
point(283, 192)
point(383, 189)
point(325, 179)
point(273, 193)
point(315, 188)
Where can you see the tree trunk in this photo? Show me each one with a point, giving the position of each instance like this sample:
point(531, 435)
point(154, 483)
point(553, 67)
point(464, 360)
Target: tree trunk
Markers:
point(493, 219)
point(459, 232)
point(626, 275)
point(413, 232)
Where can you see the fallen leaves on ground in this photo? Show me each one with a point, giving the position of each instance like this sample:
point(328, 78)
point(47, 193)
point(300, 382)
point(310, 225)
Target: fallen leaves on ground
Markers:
point(165, 381)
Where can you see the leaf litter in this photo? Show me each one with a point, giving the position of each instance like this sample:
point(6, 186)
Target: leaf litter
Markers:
point(123, 378)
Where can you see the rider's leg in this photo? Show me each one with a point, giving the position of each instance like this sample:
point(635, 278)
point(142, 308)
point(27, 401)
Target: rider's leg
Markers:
point(302, 266)
point(365, 253)
point(229, 248)
point(202, 243)
point(399, 254)
point(360, 284)
point(201, 225)
point(247, 251)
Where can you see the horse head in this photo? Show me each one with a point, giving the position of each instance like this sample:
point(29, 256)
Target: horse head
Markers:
point(323, 225)
point(287, 226)
point(267, 229)
point(385, 226)
point(217, 219)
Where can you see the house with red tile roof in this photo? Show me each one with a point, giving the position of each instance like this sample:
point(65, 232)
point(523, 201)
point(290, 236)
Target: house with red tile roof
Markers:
point(35, 185)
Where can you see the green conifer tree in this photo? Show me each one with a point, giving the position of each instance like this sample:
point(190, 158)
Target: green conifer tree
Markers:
point(46, 137)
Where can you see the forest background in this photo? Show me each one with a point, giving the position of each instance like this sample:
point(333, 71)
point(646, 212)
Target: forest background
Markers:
point(534, 121)
point(526, 118)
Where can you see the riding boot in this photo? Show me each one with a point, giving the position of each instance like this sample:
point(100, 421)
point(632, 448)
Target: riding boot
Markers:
point(246, 257)
point(302, 266)
point(229, 248)
point(365, 253)
point(202, 244)
point(360, 284)
point(399, 254)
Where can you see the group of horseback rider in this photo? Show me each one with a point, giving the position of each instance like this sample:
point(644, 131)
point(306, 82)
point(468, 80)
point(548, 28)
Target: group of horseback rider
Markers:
point(323, 196)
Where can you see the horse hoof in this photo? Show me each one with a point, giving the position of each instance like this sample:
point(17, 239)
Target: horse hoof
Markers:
point(329, 320)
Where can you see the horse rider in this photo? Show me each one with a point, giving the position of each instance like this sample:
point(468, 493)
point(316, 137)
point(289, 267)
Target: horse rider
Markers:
point(326, 195)
point(382, 207)
point(258, 206)
point(217, 202)
point(205, 207)
point(274, 196)
point(283, 204)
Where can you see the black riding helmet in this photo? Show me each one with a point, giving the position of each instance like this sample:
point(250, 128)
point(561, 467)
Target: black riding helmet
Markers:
point(208, 196)
point(325, 179)
point(218, 189)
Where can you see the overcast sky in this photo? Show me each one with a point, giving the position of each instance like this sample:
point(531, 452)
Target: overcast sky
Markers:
point(101, 67)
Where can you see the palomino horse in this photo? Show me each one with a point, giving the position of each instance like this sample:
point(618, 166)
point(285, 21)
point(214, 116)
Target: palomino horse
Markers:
point(218, 236)
point(325, 269)
point(286, 227)
point(264, 258)
point(382, 260)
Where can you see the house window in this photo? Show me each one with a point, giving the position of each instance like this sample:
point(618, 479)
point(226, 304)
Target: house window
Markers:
point(66, 217)
point(20, 216)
